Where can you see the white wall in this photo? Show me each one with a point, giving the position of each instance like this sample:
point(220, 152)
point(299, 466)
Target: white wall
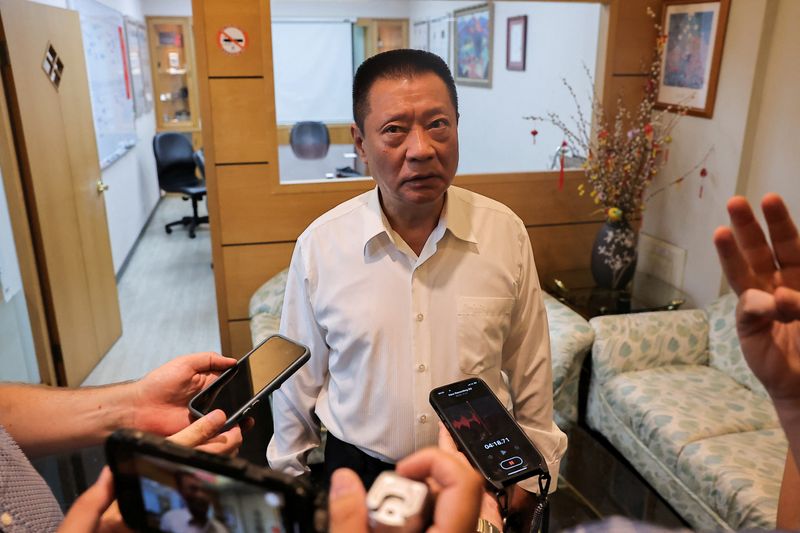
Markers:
point(743, 124)
point(561, 39)
point(335, 8)
point(775, 163)
point(167, 8)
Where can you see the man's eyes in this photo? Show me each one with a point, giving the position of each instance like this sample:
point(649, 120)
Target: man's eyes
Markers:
point(439, 123)
point(392, 129)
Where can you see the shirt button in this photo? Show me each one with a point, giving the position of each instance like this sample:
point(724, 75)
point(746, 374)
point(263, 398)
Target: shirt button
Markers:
point(420, 316)
point(422, 419)
point(421, 367)
point(6, 519)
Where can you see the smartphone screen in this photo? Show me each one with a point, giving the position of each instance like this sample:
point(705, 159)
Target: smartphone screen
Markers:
point(259, 372)
point(179, 498)
point(486, 432)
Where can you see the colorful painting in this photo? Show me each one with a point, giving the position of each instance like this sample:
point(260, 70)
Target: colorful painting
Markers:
point(473, 46)
point(692, 54)
point(688, 49)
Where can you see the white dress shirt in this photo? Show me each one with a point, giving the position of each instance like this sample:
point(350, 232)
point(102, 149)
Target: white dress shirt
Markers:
point(385, 327)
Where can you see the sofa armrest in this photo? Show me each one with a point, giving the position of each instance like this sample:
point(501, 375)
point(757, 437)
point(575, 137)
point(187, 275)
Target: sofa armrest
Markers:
point(625, 343)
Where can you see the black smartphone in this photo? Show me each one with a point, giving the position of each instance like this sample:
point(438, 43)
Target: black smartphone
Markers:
point(253, 377)
point(162, 486)
point(486, 433)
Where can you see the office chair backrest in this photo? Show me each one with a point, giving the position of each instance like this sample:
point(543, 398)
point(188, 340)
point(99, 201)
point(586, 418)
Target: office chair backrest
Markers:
point(309, 140)
point(174, 160)
point(200, 161)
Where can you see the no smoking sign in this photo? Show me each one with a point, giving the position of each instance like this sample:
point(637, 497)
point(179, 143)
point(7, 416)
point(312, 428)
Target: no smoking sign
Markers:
point(232, 40)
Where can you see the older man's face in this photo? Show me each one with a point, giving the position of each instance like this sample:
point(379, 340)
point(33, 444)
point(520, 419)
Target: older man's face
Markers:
point(410, 140)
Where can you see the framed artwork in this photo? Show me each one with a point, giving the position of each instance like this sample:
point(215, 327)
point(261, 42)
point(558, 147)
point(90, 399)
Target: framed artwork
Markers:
point(472, 45)
point(695, 34)
point(439, 37)
point(420, 38)
point(516, 39)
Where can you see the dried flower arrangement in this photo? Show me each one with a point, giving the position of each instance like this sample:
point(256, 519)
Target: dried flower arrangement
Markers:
point(621, 156)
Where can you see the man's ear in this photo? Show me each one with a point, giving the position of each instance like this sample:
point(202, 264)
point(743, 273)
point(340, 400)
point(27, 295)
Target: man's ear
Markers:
point(358, 141)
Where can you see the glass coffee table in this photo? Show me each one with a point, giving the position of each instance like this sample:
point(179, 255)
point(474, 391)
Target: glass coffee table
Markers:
point(577, 289)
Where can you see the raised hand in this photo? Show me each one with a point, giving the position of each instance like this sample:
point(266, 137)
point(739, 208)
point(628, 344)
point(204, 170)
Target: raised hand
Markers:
point(767, 280)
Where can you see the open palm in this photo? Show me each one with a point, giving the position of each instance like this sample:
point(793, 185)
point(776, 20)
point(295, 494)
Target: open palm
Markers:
point(767, 280)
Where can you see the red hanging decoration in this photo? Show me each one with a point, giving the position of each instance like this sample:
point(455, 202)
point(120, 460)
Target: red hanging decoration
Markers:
point(534, 133)
point(562, 158)
point(703, 174)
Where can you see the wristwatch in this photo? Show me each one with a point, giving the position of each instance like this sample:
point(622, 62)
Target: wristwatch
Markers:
point(484, 526)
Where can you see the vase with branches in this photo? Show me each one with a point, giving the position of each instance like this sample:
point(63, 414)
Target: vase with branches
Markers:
point(622, 154)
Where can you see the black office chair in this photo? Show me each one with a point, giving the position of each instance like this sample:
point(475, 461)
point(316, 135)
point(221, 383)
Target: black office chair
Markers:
point(309, 140)
point(175, 164)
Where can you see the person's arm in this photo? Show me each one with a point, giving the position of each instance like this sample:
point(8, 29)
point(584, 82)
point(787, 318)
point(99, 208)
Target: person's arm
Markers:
point(45, 420)
point(297, 429)
point(788, 510)
point(526, 362)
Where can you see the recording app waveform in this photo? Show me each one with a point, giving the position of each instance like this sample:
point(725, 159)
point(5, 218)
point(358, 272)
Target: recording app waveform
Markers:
point(464, 422)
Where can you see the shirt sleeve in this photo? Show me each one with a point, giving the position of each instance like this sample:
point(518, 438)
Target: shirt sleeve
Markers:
point(297, 428)
point(526, 362)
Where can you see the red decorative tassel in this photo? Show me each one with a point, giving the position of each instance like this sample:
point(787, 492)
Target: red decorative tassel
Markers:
point(703, 174)
point(534, 133)
point(561, 173)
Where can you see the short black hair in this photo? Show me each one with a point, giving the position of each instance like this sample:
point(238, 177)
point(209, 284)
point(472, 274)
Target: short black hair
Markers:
point(396, 64)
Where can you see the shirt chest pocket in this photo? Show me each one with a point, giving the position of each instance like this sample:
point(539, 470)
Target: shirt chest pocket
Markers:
point(483, 325)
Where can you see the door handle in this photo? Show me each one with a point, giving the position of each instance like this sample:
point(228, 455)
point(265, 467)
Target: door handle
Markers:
point(101, 187)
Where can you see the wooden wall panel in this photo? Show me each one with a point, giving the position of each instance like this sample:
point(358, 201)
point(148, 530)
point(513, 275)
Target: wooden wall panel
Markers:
point(245, 15)
point(244, 124)
point(246, 268)
point(563, 247)
point(255, 219)
point(241, 341)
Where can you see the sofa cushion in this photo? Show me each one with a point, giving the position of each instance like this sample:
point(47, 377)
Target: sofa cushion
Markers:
point(725, 352)
point(670, 407)
point(264, 325)
point(738, 475)
point(269, 297)
point(570, 340)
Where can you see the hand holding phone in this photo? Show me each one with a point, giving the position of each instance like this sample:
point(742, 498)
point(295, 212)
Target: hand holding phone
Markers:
point(252, 378)
point(486, 433)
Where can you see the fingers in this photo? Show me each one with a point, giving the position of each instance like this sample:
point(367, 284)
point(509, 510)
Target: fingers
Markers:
point(739, 274)
point(207, 362)
point(784, 237)
point(347, 507)
point(201, 430)
point(85, 513)
point(227, 443)
point(446, 442)
point(459, 501)
point(787, 304)
point(751, 240)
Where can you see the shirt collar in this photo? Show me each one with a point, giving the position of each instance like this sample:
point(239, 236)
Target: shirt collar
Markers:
point(454, 217)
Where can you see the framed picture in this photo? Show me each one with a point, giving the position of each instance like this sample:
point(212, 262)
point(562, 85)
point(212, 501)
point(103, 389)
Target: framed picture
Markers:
point(420, 38)
point(472, 45)
point(516, 39)
point(695, 34)
point(439, 37)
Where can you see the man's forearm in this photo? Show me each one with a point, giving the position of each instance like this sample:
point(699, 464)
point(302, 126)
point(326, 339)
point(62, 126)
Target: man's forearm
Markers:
point(45, 420)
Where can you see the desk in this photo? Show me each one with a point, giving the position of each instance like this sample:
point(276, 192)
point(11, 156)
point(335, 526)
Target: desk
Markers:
point(294, 170)
point(577, 289)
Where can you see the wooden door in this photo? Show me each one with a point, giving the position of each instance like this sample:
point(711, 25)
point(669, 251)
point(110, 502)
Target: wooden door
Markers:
point(54, 134)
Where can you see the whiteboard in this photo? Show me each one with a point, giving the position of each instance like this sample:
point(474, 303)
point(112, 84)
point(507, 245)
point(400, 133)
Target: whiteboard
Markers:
point(313, 64)
point(103, 31)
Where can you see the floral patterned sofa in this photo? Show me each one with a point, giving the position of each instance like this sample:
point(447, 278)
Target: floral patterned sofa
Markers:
point(672, 392)
point(570, 339)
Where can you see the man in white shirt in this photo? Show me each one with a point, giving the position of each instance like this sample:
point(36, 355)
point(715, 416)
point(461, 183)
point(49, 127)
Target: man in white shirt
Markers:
point(408, 287)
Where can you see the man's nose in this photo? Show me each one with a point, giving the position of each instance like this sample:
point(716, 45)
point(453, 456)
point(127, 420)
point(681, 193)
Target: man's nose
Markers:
point(419, 144)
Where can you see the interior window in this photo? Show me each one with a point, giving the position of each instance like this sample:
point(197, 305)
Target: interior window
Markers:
point(314, 61)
